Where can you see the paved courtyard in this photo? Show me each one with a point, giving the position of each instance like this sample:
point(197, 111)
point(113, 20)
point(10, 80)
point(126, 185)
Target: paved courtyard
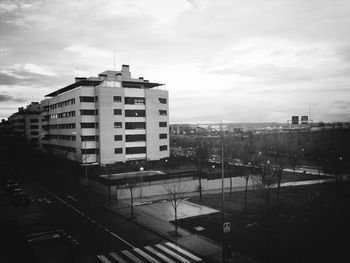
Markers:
point(165, 211)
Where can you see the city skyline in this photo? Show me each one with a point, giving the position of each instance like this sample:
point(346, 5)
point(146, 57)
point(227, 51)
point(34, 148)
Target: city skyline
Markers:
point(230, 61)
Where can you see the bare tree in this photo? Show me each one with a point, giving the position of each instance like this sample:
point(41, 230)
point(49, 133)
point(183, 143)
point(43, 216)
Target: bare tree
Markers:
point(202, 155)
point(176, 194)
point(131, 183)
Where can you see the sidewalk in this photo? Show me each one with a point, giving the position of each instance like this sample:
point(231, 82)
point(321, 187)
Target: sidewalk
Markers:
point(207, 249)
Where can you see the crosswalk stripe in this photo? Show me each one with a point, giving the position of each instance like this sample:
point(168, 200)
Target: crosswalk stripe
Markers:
point(103, 259)
point(160, 255)
point(132, 257)
point(145, 255)
point(183, 251)
point(117, 258)
point(172, 254)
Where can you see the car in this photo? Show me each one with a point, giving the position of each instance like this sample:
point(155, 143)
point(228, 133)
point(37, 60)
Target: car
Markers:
point(21, 198)
point(13, 191)
point(11, 187)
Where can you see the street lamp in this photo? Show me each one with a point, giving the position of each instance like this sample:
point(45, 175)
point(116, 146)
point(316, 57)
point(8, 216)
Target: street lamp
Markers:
point(141, 174)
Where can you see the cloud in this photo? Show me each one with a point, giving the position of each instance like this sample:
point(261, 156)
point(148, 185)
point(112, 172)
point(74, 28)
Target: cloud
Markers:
point(5, 98)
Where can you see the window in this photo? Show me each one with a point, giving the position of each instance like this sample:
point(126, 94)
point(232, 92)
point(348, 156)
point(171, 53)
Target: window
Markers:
point(88, 112)
point(118, 125)
point(135, 125)
point(34, 133)
point(163, 148)
point(90, 151)
point(163, 136)
point(135, 138)
point(135, 150)
point(34, 126)
point(162, 124)
point(118, 137)
point(34, 120)
point(117, 112)
point(118, 150)
point(89, 138)
point(162, 100)
point(135, 113)
point(88, 99)
point(89, 125)
point(117, 98)
point(135, 100)
point(162, 113)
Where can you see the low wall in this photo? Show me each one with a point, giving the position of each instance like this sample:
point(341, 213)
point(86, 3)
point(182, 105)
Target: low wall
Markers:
point(157, 188)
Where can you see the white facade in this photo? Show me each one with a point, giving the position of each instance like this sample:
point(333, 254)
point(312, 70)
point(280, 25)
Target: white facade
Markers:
point(108, 119)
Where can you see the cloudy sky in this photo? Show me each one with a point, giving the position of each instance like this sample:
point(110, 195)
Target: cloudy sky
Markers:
point(239, 61)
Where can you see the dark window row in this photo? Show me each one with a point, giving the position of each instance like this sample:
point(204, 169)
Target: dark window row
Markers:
point(59, 126)
point(34, 133)
point(135, 100)
point(135, 138)
point(88, 112)
point(163, 136)
point(135, 150)
point(163, 148)
point(88, 98)
point(89, 138)
point(118, 125)
point(34, 120)
point(117, 112)
point(34, 127)
point(117, 98)
point(90, 151)
point(163, 113)
point(135, 125)
point(62, 115)
point(61, 137)
point(118, 150)
point(135, 113)
point(162, 100)
point(163, 124)
point(60, 104)
point(89, 125)
point(118, 137)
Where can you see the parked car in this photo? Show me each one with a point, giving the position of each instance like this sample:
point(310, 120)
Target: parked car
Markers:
point(11, 187)
point(21, 198)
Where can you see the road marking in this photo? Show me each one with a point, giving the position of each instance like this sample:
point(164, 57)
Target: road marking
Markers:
point(160, 255)
point(145, 255)
point(131, 256)
point(172, 254)
point(117, 258)
point(83, 215)
point(103, 259)
point(183, 251)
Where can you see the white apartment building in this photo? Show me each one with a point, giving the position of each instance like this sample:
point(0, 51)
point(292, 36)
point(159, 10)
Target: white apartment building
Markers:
point(107, 119)
point(25, 122)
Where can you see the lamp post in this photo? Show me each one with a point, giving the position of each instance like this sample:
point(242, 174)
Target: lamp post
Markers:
point(141, 174)
point(222, 192)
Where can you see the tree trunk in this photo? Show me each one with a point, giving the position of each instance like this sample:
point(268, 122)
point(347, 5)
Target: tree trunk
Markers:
point(132, 202)
point(200, 185)
point(175, 210)
point(246, 194)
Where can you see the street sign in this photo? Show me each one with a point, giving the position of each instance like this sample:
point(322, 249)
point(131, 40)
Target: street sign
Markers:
point(227, 227)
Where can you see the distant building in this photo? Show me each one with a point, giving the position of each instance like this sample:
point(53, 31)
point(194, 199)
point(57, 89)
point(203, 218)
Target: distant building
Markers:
point(108, 119)
point(26, 122)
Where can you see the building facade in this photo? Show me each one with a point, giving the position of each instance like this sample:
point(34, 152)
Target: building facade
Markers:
point(108, 119)
point(26, 122)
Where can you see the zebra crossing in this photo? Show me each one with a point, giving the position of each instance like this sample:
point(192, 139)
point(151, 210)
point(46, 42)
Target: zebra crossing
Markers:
point(166, 252)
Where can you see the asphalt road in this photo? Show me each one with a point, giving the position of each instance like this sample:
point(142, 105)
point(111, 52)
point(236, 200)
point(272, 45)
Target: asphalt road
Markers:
point(83, 216)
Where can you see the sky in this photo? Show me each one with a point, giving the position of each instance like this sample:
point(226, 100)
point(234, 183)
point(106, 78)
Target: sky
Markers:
point(221, 61)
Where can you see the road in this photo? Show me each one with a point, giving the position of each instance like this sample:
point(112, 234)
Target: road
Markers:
point(83, 216)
